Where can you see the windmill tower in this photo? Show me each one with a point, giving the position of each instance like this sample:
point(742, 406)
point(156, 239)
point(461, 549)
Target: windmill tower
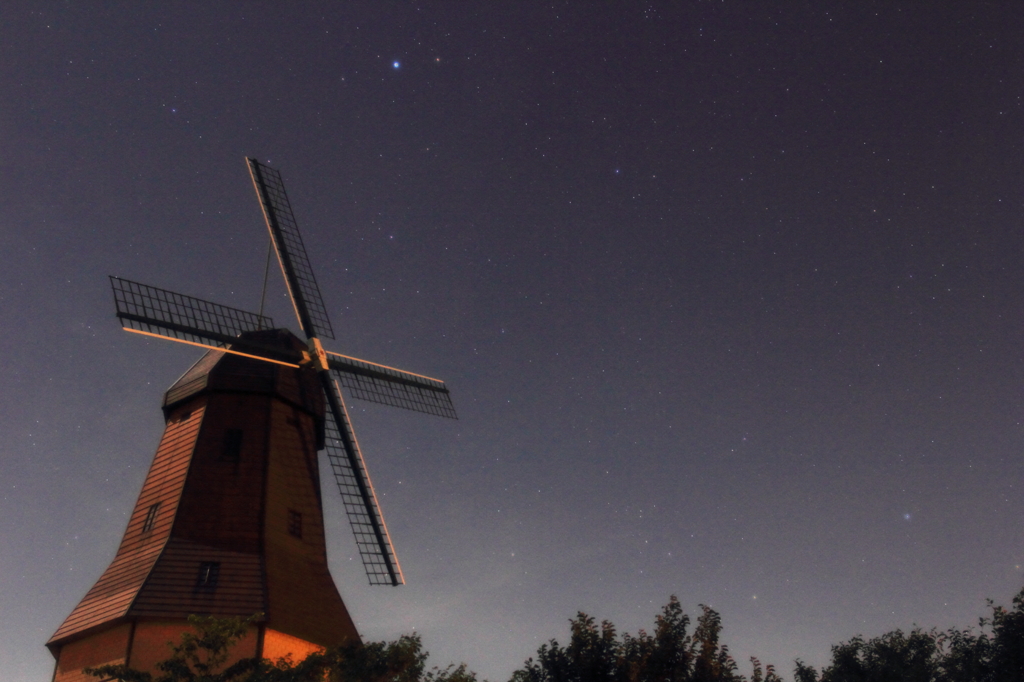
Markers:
point(229, 521)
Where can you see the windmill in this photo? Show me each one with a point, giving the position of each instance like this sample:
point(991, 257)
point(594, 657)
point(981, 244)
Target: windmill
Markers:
point(209, 532)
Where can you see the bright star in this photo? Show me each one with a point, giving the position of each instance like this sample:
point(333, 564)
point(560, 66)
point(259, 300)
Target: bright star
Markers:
point(395, 64)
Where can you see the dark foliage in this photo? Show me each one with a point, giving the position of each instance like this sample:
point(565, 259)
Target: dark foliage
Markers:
point(596, 653)
point(995, 653)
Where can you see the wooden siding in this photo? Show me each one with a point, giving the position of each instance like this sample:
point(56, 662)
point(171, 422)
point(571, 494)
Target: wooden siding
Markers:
point(153, 639)
point(102, 648)
point(226, 505)
point(303, 600)
point(112, 595)
point(172, 591)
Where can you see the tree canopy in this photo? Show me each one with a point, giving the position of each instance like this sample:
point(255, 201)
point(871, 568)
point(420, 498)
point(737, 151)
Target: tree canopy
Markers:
point(671, 654)
point(992, 652)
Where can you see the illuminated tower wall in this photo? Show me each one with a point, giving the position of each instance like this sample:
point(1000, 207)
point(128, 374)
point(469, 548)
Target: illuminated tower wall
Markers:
point(229, 523)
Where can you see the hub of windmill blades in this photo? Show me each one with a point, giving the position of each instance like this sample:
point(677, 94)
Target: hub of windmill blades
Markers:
point(151, 311)
point(317, 355)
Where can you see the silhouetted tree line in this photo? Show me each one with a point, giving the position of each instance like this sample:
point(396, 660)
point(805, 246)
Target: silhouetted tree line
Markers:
point(993, 652)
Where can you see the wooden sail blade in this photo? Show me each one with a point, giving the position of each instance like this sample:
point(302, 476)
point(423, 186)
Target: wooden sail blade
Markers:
point(150, 311)
point(393, 387)
point(357, 494)
point(291, 252)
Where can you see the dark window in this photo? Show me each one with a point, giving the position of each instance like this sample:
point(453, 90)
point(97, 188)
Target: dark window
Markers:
point(232, 450)
point(150, 521)
point(209, 571)
point(295, 523)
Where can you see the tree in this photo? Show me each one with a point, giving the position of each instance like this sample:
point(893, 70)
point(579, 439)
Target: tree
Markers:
point(994, 654)
point(596, 654)
point(1006, 661)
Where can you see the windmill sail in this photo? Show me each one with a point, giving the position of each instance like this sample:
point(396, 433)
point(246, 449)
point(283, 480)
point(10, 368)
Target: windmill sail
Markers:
point(171, 311)
point(291, 252)
point(357, 494)
point(166, 314)
point(153, 311)
point(342, 448)
point(393, 387)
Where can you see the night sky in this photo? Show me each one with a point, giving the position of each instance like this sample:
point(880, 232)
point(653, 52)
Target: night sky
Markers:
point(728, 297)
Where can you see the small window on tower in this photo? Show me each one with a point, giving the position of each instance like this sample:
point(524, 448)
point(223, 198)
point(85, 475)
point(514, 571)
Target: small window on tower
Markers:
point(295, 523)
point(232, 451)
point(209, 571)
point(150, 521)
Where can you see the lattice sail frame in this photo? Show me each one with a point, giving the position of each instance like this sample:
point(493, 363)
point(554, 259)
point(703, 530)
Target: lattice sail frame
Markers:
point(160, 312)
point(291, 251)
point(393, 387)
point(360, 501)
